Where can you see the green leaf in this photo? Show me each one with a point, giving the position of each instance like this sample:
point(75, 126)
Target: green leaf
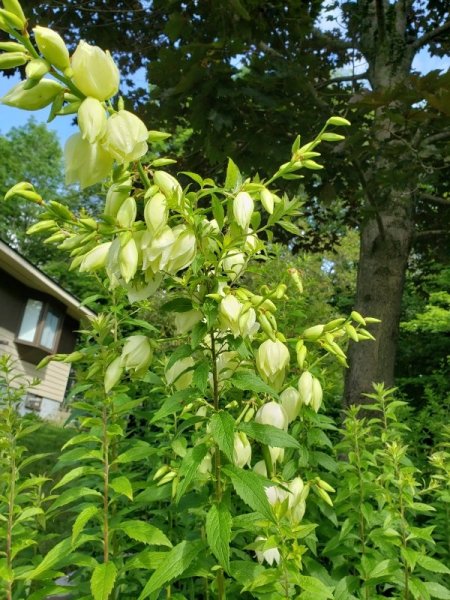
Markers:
point(176, 561)
point(249, 381)
point(71, 495)
point(71, 475)
point(80, 522)
point(102, 580)
point(28, 513)
point(122, 485)
point(200, 378)
point(222, 429)
point(218, 533)
point(189, 466)
point(218, 212)
point(197, 334)
point(250, 487)
point(383, 569)
point(315, 587)
point(57, 554)
point(144, 532)
point(269, 435)
point(233, 179)
point(436, 590)
point(139, 451)
point(431, 564)
point(181, 352)
point(180, 305)
point(172, 405)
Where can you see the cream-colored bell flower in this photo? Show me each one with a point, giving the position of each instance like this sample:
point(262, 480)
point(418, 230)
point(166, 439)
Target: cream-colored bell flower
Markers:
point(96, 258)
point(182, 252)
point(272, 361)
point(113, 373)
point(94, 72)
point(248, 325)
point(156, 254)
point(233, 263)
point(229, 312)
point(35, 98)
point(92, 120)
point(156, 213)
point(138, 290)
point(170, 187)
point(273, 414)
point(271, 555)
point(242, 452)
point(317, 395)
point(126, 215)
point(126, 137)
point(117, 193)
point(180, 373)
point(137, 353)
point(260, 468)
point(291, 402)
point(276, 454)
point(185, 321)
point(128, 260)
point(305, 387)
point(243, 206)
point(85, 163)
point(52, 47)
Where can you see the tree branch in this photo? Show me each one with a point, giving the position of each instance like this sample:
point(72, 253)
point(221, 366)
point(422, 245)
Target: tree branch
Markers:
point(342, 78)
point(443, 135)
point(430, 35)
point(427, 232)
point(435, 199)
point(380, 19)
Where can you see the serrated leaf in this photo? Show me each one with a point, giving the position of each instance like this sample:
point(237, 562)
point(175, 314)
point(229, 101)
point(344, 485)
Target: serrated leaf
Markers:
point(269, 435)
point(250, 487)
point(432, 564)
point(175, 563)
point(181, 352)
point(28, 513)
point(249, 381)
point(436, 590)
point(218, 533)
point(102, 580)
point(218, 212)
point(71, 495)
point(222, 430)
point(71, 475)
point(52, 558)
point(200, 377)
point(122, 485)
point(172, 405)
point(82, 519)
point(189, 466)
point(315, 587)
point(144, 532)
point(139, 451)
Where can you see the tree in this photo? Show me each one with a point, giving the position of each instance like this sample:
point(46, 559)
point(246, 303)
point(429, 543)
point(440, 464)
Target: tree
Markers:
point(242, 73)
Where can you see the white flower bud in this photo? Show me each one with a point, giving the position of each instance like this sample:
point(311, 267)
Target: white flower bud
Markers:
point(260, 468)
point(96, 258)
point(128, 260)
point(305, 387)
point(205, 466)
point(242, 452)
point(273, 414)
point(229, 311)
point(271, 556)
point(243, 206)
point(36, 69)
point(85, 163)
point(117, 194)
point(52, 47)
point(156, 213)
point(267, 200)
point(317, 395)
point(113, 373)
point(37, 97)
point(92, 120)
point(94, 72)
point(272, 361)
point(233, 263)
point(275, 495)
point(126, 137)
point(180, 373)
point(169, 186)
point(276, 454)
point(126, 214)
point(291, 402)
point(137, 353)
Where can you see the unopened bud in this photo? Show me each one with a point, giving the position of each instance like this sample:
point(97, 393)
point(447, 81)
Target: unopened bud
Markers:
point(113, 374)
point(267, 200)
point(52, 47)
point(13, 59)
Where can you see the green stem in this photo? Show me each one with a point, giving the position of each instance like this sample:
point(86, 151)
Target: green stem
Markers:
point(105, 486)
point(220, 580)
point(143, 175)
point(11, 497)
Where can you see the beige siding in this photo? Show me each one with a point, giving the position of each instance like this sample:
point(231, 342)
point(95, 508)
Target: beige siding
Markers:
point(53, 377)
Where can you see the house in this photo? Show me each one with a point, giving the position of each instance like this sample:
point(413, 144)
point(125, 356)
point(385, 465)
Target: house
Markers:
point(37, 318)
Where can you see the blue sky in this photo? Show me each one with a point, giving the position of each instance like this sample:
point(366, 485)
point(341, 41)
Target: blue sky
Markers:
point(12, 117)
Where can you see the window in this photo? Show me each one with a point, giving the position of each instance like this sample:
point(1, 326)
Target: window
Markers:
point(32, 402)
point(40, 325)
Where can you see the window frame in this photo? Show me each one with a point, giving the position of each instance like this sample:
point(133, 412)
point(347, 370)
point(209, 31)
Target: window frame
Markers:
point(36, 342)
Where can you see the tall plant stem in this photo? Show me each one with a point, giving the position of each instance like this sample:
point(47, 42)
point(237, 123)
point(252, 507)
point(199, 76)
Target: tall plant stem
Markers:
point(362, 528)
point(105, 486)
point(220, 580)
point(11, 496)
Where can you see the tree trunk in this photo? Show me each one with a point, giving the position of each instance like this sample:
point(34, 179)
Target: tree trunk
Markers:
point(381, 274)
